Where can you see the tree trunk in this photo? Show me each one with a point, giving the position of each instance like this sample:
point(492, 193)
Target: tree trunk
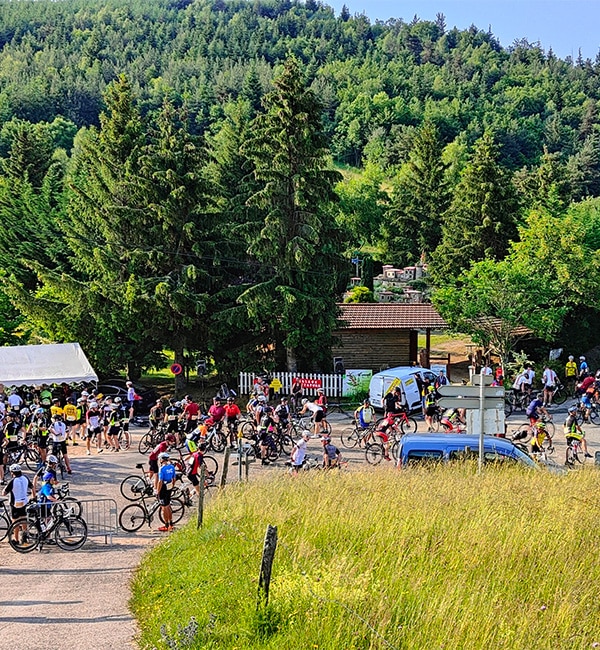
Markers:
point(134, 371)
point(180, 381)
point(291, 361)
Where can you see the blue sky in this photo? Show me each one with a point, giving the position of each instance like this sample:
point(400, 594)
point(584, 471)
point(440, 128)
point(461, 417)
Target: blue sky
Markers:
point(564, 25)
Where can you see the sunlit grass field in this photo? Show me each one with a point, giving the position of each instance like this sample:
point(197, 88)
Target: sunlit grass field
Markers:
point(418, 559)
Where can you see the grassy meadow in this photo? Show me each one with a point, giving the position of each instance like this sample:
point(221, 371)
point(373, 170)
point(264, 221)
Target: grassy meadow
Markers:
point(419, 559)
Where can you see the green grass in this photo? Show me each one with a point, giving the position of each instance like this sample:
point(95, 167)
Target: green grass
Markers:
point(438, 558)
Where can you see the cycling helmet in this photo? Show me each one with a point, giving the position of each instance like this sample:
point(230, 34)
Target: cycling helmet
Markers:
point(571, 357)
point(39, 411)
point(319, 390)
point(55, 400)
point(15, 468)
point(94, 405)
point(262, 398)
point(25, 411)
point(170, 438)
point(12, 414)
point(431, 388)
point(163, 456)
point(581, 358)
point(57, 416)
point(572, 409)
point(304, 401)
point(52, 459)
point(540, 425)
point(84, 393)
point(117, 400)
point(48, 476)
point(202, 447)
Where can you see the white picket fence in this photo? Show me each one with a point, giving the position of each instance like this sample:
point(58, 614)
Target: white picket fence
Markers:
point(331, 384)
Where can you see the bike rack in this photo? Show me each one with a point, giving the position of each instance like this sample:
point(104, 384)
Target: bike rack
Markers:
point(100, 515)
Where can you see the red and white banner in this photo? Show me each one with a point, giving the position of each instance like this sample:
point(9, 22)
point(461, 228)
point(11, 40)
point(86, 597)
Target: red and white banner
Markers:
point(309, 383)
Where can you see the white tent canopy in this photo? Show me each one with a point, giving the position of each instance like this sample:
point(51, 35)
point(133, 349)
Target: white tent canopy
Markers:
point(28, 365)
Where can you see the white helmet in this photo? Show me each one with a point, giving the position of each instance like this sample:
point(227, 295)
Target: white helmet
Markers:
point(94, 405)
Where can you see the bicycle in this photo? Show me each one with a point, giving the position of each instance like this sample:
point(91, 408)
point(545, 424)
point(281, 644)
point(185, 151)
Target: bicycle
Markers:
point(356, 435)
point(407, 424)
point(67, 531)
point(5, 518)
point(133, 516)
point(23, 455)
point(516, 402)
point(575, 453)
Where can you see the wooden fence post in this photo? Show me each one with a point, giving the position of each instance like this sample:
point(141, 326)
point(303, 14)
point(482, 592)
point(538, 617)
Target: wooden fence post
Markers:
point(225, 466)
point(268, 555)
point(246, 465)
point(201, 496)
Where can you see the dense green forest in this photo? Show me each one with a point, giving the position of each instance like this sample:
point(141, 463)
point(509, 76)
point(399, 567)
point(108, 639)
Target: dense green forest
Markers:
point(170, 176)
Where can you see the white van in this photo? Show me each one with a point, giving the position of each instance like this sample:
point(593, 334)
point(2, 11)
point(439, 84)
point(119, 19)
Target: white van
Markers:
point(406, 378)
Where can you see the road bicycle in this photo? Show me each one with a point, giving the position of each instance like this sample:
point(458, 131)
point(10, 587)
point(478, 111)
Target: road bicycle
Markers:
point(407, 424)
point(514, 402)
point(575, 453)
point(5, 518)
point(47, 524)
point(357, 435)
point(23, 455)
point(133, 516)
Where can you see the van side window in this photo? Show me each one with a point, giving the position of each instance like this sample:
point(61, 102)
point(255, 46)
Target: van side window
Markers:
point(492, 457)
point(423, 456)
point(466, 453)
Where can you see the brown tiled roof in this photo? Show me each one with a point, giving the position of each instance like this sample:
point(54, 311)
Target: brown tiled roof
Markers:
point(391, 316)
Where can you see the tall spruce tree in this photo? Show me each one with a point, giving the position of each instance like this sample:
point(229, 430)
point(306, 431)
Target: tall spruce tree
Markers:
point(482, 218)
point(414, 223)
point(294, 304)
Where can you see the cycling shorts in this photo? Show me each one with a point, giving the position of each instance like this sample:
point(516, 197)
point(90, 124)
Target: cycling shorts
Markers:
point(92, 431)
point(59, 446)
point(153, 465)
point(533, 419)
point(384, 436)
point(164, 496)
point(574, 437)
point(319, 416)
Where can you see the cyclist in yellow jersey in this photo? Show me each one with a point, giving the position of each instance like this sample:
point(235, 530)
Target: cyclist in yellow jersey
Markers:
point(573, 432)
point(538, 438)
point(571, 373)
point(56, 408)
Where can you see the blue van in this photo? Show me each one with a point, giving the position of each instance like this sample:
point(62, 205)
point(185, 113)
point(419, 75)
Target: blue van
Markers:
point(419, 448)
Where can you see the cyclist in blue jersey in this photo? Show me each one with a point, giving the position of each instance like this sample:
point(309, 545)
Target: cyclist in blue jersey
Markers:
point(166, 483)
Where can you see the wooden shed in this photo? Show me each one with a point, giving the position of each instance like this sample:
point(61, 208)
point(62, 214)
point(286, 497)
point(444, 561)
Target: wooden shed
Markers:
point(375, 336)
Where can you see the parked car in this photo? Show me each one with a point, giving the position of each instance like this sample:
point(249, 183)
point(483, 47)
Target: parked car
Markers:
point(117, 388)
point(445, 447)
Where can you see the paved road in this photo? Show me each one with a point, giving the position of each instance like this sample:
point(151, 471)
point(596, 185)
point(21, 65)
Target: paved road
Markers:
point(78, 600)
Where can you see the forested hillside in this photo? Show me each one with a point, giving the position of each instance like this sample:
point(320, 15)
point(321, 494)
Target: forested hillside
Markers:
point(146, 199)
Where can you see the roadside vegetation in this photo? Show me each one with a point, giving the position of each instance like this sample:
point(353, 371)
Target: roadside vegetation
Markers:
point(434, 558)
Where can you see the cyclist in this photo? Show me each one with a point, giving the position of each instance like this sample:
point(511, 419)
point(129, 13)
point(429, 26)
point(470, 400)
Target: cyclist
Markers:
point(12, 432)
point(331, 454)
point(387, 425)
point(536, 410)
point(430, 407)
point(114, 426)
point(364, 415)
point(216, 412)
point(584, 369)
point(299, 453)
point(549, 382)
point(322, 402)
point(267, 426)
point(232, 415)
point(47, 496)
point(49, 469)
point(587, 395)
point(194, 462)
point(190, 413)
point(316, 414)
point(539, 435)
point(164, 486)
point(123, 412)
point(172, 413)
point(161, 448)
point(571, 373)
point(573, 432)
point(39, 426)
point(392, 402)
point(157, 414)
point(58, 434)
point(94, 427)
point(19, 488)
point(70, 416)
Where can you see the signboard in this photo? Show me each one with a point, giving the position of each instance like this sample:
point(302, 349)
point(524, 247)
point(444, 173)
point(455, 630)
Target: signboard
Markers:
point(309, 383)
point(176, 369)
point(471, 391)
point(356, 383)
point(469, 403)
point(276, 385)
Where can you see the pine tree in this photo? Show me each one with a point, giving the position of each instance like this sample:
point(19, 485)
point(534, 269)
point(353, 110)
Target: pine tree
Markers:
point(413, 226)
point(295, 303)
point(481, 220)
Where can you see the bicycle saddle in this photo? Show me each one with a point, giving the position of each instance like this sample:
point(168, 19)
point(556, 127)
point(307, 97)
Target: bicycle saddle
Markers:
point(140, 466)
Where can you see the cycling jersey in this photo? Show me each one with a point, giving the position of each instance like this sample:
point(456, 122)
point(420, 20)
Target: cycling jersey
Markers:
point(166, 473)
point(70, 413)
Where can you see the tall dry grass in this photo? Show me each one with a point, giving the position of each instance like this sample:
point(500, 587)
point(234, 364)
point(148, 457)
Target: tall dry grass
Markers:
point(433, 558)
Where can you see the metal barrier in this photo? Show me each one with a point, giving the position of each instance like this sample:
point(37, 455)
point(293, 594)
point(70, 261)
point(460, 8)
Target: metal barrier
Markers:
point(100, 515)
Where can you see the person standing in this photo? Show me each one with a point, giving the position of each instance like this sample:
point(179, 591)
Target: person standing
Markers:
point(58, 434)
point(21, 491)
point(571, 374)
point(299, 453)
point(549, 380)
point(164, 487)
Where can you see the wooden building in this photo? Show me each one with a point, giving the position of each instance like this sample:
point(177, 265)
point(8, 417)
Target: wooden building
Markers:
point(376, 336)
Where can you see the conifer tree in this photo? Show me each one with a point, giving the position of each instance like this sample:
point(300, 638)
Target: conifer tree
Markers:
point(295, 301)
point(482, 218)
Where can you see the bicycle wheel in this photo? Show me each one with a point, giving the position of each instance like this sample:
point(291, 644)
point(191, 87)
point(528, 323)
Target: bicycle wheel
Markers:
point(248, 430)
point(133, 487)
point(350, 437)
point(70, 533)
point(435, 421)
point(218, 442)
point(594, 415)
point(550, 428)
point(508, 408)
point(374, 453)
point(286, 444)
point(212, 467)
point(326, 427)
point(28, 535)
point(177, 510)
point(67, 507)
point(272, 451)
point(145, 445)
point(560, 396)
point(132, 517)
point(4, 526)
point(408, 426)
point(32, 460)
point(394, 450)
